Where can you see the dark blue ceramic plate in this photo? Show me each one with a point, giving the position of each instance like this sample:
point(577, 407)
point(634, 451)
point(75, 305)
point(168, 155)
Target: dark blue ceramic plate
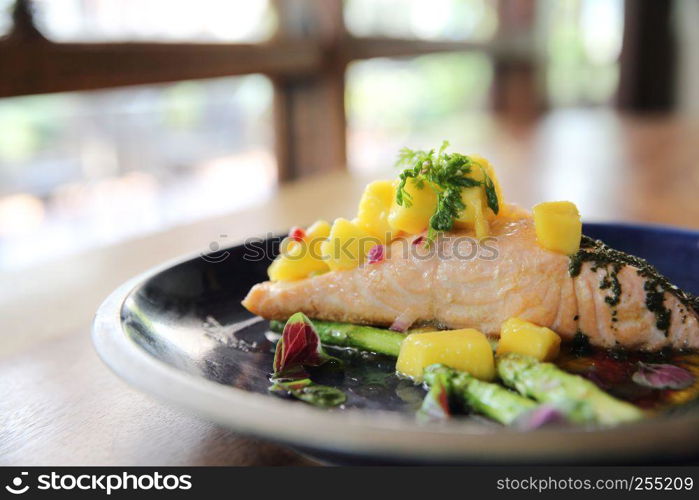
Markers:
point(674, 252)
point(180, 333)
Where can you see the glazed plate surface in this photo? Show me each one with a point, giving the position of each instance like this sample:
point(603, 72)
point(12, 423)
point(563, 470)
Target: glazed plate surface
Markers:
point(179, 333)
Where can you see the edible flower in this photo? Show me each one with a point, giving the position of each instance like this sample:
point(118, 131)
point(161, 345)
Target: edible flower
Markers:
point(663, 376)
point(376, 254)
point(540, 416)
point(299, 347)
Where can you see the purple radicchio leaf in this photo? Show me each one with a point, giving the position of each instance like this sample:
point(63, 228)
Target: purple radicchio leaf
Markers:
point(540, 416)
point(663, 376)
point(298, 347)
point(435, 406)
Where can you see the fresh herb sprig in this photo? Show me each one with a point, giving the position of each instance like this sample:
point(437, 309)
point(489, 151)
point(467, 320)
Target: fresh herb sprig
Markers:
point(448, 175)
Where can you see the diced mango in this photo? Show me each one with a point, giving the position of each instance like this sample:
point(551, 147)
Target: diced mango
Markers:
point(374, 207)
point(415, 218)
point(558, 226)
point(319, 230)
point(316, 234)
point(482, 225)
point(488, 168)
point(466, 350)
point(477, 214)
point(523, 337)
point(301, 259)
point(296, 262)
point(347, 245)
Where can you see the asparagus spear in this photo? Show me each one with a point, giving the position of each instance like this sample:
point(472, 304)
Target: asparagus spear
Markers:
point(365, 338)
point(492, 400)
point(580, 399)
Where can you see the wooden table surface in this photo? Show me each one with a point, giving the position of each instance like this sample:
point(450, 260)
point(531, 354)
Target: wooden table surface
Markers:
point(59, 405)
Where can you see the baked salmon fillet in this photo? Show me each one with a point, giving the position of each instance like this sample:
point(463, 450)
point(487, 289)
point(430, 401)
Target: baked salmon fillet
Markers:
point(614, 299)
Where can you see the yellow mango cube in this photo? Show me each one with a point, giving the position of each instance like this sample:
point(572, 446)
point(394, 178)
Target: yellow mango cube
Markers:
point(466, 350)
point(374, 207)
point(301, 259)
point(476, 215)
point(523, 337)
point(488, 169)
point(347, 245)
point(415, 218)
point(319, 230)
point(316, 234)
point(558, 226)
point(296, 262)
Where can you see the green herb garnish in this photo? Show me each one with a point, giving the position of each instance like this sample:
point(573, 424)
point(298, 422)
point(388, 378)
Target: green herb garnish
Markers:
point(309, 392)
point(448, 175)
point(490, 194)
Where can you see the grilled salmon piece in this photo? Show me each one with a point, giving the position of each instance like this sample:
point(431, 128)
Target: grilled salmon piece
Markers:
point(456, 283)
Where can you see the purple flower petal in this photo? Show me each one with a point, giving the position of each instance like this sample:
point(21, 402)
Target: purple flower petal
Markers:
point(376, 254)
point(539, 417)
point(663, 376)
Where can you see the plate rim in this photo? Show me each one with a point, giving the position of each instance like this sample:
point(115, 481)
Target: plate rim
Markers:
point(374, 433)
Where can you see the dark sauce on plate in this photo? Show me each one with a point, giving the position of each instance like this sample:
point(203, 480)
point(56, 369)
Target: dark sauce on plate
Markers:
point(373, 376)
point(612, 370)
point(370, 381)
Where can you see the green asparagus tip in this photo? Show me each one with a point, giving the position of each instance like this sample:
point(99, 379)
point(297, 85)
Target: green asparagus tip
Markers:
point(580, 398)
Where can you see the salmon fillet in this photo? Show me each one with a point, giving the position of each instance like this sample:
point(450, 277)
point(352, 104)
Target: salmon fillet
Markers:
point(512, 276)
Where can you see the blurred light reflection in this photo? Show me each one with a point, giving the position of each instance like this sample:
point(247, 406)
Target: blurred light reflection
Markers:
point(166, 20)
point(79, 170)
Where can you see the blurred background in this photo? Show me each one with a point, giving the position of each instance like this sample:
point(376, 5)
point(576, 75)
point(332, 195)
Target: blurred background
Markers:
point(120, 118)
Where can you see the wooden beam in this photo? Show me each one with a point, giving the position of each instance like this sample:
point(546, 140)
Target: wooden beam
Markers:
point(516, 87)
point(648, 61)
point(310, 122)
point(23, 28)
point(41, 67)
point(371, 47)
